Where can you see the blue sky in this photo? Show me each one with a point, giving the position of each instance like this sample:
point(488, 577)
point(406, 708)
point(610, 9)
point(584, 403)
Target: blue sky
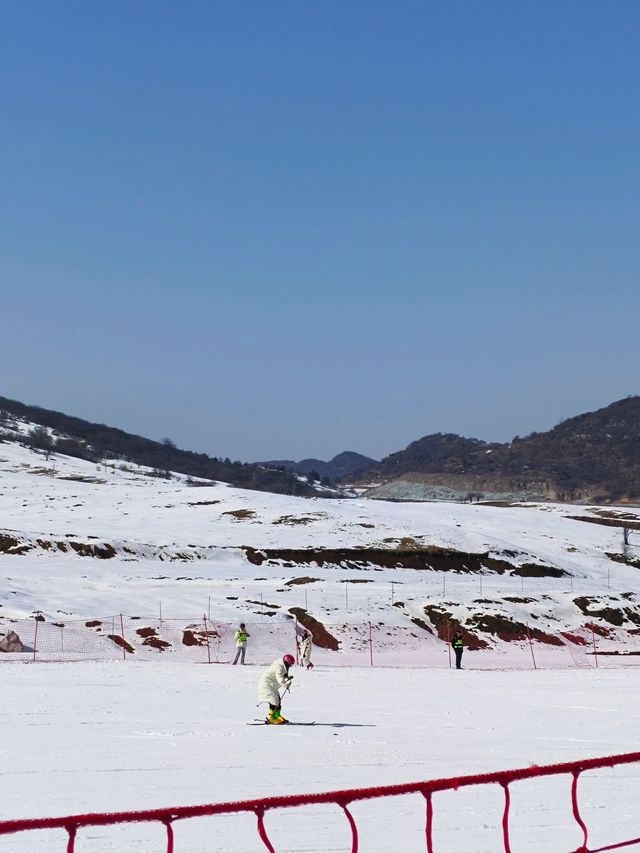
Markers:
point(287, 229)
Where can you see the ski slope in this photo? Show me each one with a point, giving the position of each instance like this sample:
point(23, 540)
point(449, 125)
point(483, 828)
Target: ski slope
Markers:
point(88, 737)
point(126, 734)
point(179, 550)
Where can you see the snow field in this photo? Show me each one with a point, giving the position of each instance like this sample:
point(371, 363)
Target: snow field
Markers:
point(109, 736)
point(115, 736)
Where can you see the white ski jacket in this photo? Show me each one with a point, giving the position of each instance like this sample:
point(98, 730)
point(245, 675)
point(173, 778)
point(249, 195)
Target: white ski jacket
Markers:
point(271, 680)
point(305, 651)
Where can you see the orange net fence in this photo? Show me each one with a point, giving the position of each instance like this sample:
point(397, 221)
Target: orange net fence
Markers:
point(203, 640)
point(429, 790)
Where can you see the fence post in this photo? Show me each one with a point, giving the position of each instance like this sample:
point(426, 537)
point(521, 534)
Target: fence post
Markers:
point(595, 650)
point(449, 641)
point(206, 635)
point(531, 648)
point(219, 641)
point(124, 650)
point(295, 629)
point(35, 640)
point(370, 645)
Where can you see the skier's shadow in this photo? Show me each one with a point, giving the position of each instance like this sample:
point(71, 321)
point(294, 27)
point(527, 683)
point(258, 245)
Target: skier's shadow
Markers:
point(347, 725)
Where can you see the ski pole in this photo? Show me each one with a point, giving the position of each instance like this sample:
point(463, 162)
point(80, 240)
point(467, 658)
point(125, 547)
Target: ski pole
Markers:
point(286, 690)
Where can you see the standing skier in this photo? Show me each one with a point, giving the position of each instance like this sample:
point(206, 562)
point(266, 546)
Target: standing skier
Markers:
point(458, 648)
point(272, 679)
point(304, 649)
point(241, 643)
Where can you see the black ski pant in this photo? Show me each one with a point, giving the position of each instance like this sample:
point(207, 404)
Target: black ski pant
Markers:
point(458, 658)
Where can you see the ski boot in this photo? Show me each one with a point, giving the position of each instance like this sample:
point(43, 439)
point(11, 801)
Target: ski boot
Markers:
point(275, 718)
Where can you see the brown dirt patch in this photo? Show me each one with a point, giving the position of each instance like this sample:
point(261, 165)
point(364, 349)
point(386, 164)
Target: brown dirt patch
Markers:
point(509, 630)
point(240, 514)
point(294, 520)
point(76, 478)
point(421, 559)
point(632, 615)
point(622, 654)
point(193, 638)
point(446, 626)
point(412, 557)
point(627, 559)
point(536, 570)
point(102, 552)
point(612, 615)
point(157, 643)
point(600, 630)
point(10, 545)
point(119, 641)
point(321, 637)
point(576, 639)
point(356, 580)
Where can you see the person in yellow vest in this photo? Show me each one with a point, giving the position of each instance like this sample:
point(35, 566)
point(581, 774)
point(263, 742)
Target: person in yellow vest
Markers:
point(458, 647)
point(241, 643)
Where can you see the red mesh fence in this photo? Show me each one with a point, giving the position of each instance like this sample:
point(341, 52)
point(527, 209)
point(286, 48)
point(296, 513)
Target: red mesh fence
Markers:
point(202, 640)
point(71, 824)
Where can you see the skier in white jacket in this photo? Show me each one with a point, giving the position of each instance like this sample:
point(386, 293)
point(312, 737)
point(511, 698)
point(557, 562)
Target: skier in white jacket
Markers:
point(304, 649)
point(271, 680)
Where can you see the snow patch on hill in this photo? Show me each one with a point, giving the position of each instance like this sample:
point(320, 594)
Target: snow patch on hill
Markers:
point(80, 538)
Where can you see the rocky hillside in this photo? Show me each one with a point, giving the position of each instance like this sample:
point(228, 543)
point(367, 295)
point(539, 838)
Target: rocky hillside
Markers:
point(51, 431)
point(593, 457)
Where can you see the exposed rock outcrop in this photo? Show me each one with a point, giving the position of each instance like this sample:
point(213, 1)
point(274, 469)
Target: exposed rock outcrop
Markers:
point(11, 642)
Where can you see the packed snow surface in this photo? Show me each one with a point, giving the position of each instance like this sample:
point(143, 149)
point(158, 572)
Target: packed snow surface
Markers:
point(83, 737)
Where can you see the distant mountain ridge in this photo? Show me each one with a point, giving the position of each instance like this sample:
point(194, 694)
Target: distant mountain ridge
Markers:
point(345, 464)
point(86, 440)
point(592, 457)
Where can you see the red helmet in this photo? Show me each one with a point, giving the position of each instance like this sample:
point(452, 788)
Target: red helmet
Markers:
point(289, 660)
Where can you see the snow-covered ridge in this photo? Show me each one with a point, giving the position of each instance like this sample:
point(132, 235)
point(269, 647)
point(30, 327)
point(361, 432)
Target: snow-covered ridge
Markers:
point(554, 567)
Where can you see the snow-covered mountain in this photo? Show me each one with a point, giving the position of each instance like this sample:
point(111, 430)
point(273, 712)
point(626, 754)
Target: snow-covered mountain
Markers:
point(79, 539)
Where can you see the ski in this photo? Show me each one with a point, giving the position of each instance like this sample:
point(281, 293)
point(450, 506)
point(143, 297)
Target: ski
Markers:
point(288, 723)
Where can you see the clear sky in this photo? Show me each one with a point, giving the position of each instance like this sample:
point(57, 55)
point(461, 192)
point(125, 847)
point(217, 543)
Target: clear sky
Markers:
point(287, 229)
